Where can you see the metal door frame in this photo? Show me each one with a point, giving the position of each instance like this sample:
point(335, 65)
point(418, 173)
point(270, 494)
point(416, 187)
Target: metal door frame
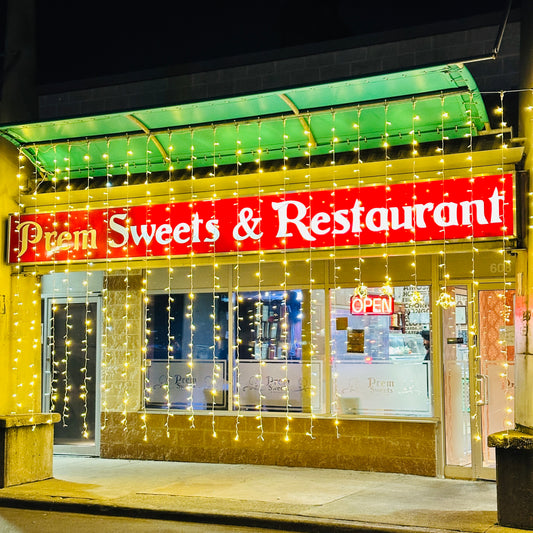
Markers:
point(78, 449)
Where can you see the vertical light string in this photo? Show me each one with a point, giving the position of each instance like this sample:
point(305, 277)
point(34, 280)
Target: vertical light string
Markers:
point(168, 289)
point(34, 327)
point(104, 387)
point(237, 296)
point(415, 299)
point(18, 301)
point(67, 341)
point(312, 302)
point(259, 303)
point(507, 310)
point(360, 288)
point(215, 369)
point(146, 391)
point(190, 305)
point(445, 299)
point(87, 317)
point(386, 288)
point(334, 354)
point(473, 303)
point(285, 308)
point(51, 341)
point(127, 297)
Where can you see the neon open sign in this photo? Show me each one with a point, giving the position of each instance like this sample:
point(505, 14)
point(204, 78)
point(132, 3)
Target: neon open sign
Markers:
point(371, 304)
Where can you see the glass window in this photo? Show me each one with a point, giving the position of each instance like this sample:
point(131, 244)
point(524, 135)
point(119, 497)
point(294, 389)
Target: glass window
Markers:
point(280, 350)
point(176, 323)
point(380, 352)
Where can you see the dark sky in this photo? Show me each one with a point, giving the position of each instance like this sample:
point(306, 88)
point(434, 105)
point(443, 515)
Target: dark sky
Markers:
point(78, 39)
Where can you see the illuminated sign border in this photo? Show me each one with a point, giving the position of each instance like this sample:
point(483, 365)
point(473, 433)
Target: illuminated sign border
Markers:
point(372, 304)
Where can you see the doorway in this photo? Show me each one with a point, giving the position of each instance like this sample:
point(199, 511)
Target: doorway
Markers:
point(478, 375)
point(71, 373)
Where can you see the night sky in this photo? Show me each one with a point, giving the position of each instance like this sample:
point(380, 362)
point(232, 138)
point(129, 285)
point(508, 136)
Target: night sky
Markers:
point(85, 39)
point(81, 39)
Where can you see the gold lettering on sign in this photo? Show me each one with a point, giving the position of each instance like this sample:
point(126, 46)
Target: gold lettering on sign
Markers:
point(31, 233)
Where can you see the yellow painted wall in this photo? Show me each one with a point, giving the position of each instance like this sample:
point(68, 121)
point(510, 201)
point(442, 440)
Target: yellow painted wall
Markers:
point(20, 307)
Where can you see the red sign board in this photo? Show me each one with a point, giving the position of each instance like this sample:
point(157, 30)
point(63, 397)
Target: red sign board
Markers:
point(372, 304)
point(345, 217)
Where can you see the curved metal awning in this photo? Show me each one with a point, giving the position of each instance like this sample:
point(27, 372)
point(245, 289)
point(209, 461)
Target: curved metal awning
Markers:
point(364, 113)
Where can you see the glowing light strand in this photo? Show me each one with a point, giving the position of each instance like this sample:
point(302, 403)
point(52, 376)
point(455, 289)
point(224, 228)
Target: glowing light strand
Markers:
point(335, 393)
point(190, 305)
point(238, 298)
point(259, 303)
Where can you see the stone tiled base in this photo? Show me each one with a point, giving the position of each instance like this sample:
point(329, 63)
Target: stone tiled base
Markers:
point(395, 446)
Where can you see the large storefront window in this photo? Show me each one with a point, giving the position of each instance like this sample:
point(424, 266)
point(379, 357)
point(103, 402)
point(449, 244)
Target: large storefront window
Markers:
point(182, 332)
point(280, 350)
point(381, 362)
point(267, 350)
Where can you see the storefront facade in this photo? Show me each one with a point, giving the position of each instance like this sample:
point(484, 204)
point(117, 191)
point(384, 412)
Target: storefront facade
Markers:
point(337, 292)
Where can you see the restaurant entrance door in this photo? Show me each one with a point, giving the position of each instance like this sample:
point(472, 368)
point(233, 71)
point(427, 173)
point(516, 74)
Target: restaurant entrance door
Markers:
point(478, 374)
point(70, 371)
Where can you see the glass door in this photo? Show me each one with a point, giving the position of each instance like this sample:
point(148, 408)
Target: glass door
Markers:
point(478, 376)
point(494, 372)
point(70, 370)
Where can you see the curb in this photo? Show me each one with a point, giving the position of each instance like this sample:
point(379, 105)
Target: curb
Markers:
point(298, 523)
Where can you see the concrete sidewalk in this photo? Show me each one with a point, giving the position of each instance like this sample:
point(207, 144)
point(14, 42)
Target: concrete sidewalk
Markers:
point(300, 499)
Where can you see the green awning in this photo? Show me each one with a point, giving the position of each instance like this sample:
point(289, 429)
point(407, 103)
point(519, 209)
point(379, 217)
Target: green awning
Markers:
point(362, 113)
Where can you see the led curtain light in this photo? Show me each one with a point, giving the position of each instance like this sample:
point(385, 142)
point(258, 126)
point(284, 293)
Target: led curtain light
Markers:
point(106, 316)
point(312, 312)
point(416, 299)
point(445, 299)
point(146, 390)
point(87, 313)
point(259, 303)
point(238, 299)
point(473, 327)
point(215, 369)
point(505, 296)
point(190, 305)
point(284, 312)
point(335, 391)
point(386, 288)
point(168, 289)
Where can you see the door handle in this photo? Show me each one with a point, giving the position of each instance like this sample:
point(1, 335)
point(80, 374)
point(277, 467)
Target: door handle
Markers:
point(483, 389)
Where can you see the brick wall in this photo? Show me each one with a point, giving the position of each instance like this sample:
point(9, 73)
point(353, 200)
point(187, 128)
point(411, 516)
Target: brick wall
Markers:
point(121, 353)
point(392, 446)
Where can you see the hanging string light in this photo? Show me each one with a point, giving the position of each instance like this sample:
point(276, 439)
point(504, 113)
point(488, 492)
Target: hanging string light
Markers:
point(215, 370)
point(386, 288)
point(87, 315)
point(259, 303)
point(18, 301)
point(335, 400)
point(238, 299)
point(445, 299)
point(312, 310)
point(51, 341)
point(146, 390)
point(506, 309)
point(126, 317)
point(168, 289)
point(105, 300)
point(473, 303)
point(359, 287)
point(190, 306)
point(284, 337)
point(67, 341)
point(416, 299)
